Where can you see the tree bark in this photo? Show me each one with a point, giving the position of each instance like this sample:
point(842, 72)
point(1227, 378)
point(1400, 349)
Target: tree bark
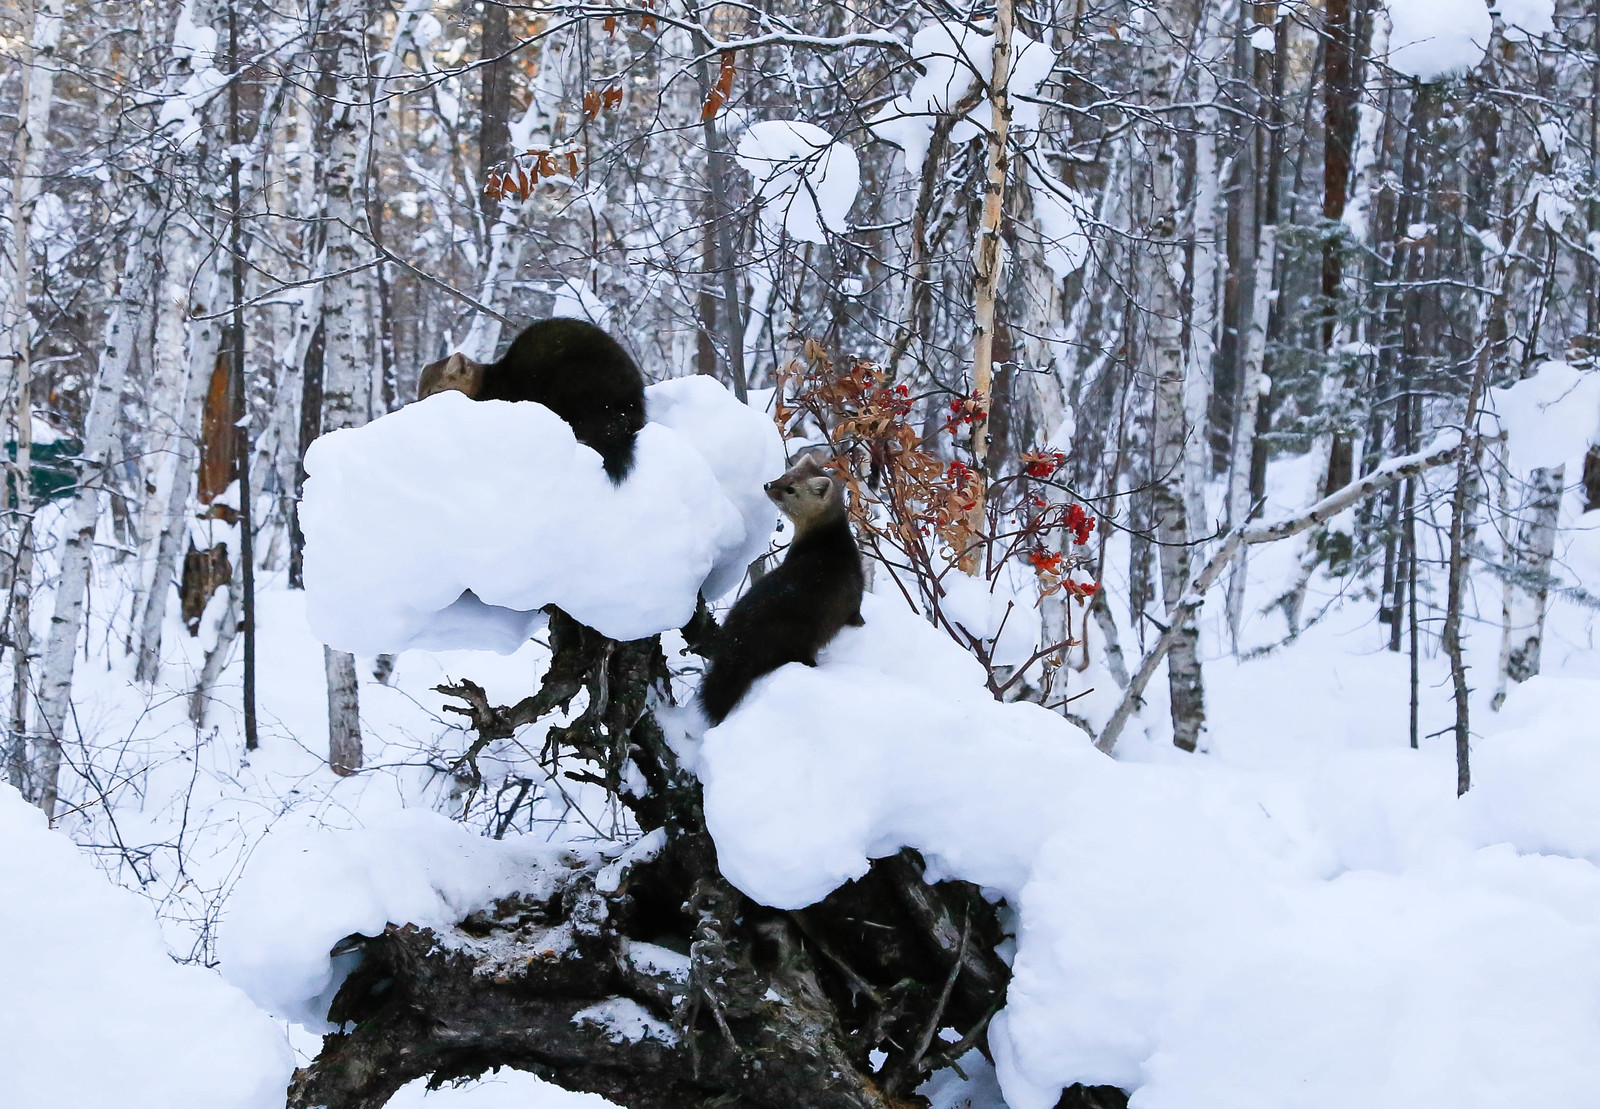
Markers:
point(1167, 32)
point(344, 711)
point(347, 354)
point(988, 265)
point(41, 32)
point(205, 340)
point(76, 549)
point(494, 129)
point(1527, 583)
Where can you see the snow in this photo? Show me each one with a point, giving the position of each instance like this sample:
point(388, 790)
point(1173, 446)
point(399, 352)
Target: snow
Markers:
point(1526, 19)
point(1552, 204)
point(575, 300)
point(1264, 38)
point(625, 1020)
point(1550, 418)
point(305, 889)
point(96, 1013)
point(197, 46)
point(405, 514)
point(505, 1089)
point(1003, 613)
point(1059, 212)
point(742, 446)
point(950, 55)
point(805, 180)
point(1258, 927)
point(1434, 39)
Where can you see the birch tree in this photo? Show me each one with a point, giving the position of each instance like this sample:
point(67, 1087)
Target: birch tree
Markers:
point(1161, 350)
point(347, 357)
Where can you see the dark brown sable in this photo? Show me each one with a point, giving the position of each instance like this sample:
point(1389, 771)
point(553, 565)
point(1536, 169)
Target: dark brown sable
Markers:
point(572, 368)
point(791, 613)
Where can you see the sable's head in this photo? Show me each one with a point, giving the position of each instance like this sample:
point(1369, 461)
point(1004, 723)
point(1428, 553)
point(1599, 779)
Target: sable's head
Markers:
point(457, 372)
point(807, 494)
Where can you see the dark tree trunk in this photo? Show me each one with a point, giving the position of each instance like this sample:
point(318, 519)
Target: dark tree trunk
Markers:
point(494, 136)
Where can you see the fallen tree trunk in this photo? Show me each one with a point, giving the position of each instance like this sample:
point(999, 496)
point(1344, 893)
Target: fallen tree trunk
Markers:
point(649, 979)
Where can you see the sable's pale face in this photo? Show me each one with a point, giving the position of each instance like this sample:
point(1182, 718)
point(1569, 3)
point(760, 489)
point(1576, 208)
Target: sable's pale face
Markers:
point(457, 372)
point(804, 493)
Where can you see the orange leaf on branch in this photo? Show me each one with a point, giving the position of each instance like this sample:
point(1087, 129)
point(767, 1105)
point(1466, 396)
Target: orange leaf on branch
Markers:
point(722, 89)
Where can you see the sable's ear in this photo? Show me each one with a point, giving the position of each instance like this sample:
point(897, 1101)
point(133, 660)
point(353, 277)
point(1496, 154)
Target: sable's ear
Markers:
point(820, 485)
point(457, 372)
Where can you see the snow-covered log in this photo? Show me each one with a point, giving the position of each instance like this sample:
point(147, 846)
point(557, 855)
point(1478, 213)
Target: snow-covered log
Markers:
point(643, 976)
point(405, 516)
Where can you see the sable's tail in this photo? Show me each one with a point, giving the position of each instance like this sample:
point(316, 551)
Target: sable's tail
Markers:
point(724, 684)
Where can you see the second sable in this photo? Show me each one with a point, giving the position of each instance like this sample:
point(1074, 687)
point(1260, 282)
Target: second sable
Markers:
point(792, 612)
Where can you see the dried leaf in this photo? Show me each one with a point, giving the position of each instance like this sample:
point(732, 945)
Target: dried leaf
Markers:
point(722, 90)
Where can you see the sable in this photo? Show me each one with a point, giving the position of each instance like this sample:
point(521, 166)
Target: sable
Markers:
point(792, 613)
point(572, 368)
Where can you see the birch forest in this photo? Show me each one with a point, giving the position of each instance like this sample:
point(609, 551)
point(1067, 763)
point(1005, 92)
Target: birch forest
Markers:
point(1171, 354)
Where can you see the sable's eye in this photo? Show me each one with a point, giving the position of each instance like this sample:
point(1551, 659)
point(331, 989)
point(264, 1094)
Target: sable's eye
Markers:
point(789, 489)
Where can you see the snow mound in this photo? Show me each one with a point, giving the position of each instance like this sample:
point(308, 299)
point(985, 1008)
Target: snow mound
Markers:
point(1202, 933)
point(95, 1012)
point(951, 55)
point(305, 890)
point(806, 182)
point(1432, 39)
point(1550, 418)
point(742, 446)
point(405, 515)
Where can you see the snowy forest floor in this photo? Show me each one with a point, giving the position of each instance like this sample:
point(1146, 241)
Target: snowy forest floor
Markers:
point(174, 813)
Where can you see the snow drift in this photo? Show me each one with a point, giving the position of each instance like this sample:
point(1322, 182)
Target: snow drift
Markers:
point(307, 889)
point(406, 515)
point(95, 1011)
point(1201, 933)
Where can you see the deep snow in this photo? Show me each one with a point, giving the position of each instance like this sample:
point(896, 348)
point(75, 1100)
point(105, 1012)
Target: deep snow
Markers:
point(1301, 915)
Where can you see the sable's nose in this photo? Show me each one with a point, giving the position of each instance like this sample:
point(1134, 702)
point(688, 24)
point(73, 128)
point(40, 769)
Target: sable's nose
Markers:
point(768, 487)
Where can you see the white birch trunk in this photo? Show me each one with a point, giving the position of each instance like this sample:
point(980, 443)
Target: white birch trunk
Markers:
point(1527, 588)
point(205, 340)
point(505, 238)
point(1205, 274)
point(1252, 389)
point(165, 414)
point(41, 33)
point(77, 542)
point(1161, 356)
point(347, 359)
point(989, 263)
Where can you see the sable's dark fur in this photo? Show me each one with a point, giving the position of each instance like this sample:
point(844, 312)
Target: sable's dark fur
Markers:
point(792, 612)
point(572, 368)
